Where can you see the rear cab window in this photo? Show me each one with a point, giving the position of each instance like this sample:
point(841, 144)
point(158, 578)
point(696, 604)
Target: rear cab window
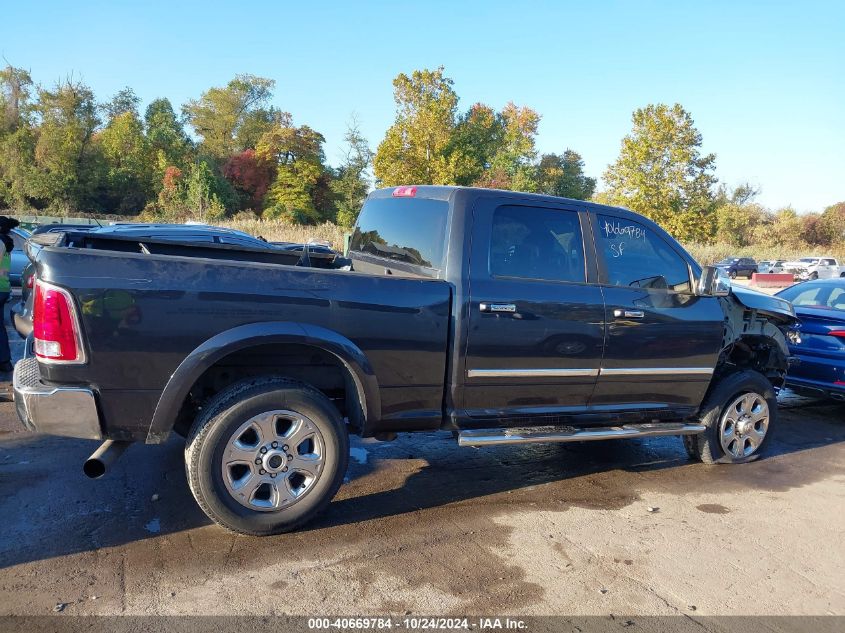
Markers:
point(401, 234)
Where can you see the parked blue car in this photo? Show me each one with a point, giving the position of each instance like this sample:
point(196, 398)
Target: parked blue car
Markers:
point(820, 305)
point(735, 267)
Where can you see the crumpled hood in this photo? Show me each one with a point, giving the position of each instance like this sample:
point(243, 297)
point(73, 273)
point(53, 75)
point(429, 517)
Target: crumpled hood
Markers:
point(776, 307)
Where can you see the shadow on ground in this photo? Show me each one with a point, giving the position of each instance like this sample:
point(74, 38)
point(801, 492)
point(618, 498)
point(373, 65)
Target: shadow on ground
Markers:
point(50, 509)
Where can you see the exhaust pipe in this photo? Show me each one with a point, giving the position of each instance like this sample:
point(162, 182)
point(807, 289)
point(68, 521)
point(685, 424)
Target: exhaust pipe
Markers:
point(103, 458)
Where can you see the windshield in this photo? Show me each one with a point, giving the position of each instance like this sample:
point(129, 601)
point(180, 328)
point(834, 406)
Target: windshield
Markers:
point(729, 260)
point(822, 295)
point(809, 260)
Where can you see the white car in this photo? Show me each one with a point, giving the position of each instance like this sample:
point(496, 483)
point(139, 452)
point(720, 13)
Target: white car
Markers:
point(771, 266)
point(814, 268)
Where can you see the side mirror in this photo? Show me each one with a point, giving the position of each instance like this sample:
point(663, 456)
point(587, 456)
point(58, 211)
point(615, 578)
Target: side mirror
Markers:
point(713, 283)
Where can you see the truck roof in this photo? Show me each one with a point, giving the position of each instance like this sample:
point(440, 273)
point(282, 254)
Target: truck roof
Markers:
point(444, 192)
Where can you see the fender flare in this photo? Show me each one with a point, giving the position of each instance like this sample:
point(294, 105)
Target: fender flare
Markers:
point(265, 333)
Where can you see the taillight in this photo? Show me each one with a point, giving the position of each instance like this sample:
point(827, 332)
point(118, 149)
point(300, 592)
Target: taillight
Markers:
point(55, 326)
point(838, 333)
point(29, 281)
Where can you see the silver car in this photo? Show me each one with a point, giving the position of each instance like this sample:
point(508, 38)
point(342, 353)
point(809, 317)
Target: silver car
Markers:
point(771, 266)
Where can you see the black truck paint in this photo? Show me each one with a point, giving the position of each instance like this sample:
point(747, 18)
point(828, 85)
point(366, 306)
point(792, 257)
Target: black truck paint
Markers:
point(413, 340)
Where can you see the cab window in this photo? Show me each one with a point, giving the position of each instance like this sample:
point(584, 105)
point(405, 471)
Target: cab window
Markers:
point(636, 256)
point(537, 243)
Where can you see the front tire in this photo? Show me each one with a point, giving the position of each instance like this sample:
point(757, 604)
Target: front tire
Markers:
point(266, 456)
point(813, 276)
point(732, 274)
point(740, 414)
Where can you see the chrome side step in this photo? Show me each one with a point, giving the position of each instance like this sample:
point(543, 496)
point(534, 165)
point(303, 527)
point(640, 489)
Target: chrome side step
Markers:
point(538, 435)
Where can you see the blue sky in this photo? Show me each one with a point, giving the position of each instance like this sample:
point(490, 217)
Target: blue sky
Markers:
point(765, 81)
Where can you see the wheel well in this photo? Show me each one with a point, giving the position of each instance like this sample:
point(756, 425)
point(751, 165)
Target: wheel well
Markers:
point(305, 363)
point(760, 353)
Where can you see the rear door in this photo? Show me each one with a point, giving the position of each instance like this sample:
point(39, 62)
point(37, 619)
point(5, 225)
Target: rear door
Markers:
point(662, 340)
point(750, 266)
point(536, 320)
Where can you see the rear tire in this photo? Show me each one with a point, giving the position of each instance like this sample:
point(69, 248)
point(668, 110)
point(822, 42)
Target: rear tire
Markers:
point(740, 414)
point(266, 455)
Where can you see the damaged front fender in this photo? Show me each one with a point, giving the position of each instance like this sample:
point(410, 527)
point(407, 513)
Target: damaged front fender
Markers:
point(778, 309)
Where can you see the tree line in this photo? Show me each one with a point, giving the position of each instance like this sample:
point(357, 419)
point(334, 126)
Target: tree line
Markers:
point(230, 152)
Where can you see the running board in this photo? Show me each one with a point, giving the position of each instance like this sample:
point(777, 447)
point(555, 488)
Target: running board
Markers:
point(540, 435)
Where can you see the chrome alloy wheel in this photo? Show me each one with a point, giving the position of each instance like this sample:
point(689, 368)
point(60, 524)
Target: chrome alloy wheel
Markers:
point(273, 460)
point(744, 425)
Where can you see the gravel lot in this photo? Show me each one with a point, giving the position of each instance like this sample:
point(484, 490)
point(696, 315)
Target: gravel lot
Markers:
point(422, 526)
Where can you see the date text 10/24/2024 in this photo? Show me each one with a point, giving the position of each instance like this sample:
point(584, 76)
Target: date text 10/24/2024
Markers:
point(417, 623)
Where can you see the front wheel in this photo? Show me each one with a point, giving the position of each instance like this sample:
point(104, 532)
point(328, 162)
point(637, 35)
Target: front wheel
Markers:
point(813, 276)
point(266, 455)
point(740, 414)
point(732, 274)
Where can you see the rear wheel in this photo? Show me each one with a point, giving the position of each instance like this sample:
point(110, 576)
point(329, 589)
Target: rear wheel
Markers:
point(740, 414)
point(266, 455)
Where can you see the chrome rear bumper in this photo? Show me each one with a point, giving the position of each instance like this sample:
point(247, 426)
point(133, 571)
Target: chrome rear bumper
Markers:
point(68, 411)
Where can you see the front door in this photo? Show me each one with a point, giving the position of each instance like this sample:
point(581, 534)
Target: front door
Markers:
point(662, 340)
point(536, 321)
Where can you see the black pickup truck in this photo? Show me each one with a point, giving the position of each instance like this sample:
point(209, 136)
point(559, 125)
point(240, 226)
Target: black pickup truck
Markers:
point(502, 316)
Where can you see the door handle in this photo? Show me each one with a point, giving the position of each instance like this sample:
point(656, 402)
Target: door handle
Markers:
point(628, 314)
point(487, 306)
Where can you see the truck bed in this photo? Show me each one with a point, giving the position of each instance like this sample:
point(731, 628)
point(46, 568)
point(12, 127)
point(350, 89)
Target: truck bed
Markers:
point(146, 306)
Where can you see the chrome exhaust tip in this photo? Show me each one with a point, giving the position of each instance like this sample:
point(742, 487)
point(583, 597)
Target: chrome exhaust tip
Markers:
point(103, 458)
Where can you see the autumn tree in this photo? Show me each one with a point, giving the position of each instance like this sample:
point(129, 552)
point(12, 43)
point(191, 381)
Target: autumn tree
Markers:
point(477, 137)
point(167, 139)
point(563, 175)
point(662, 173)
point(299, 190)
point(125, 101)
point(232, 118)
point(832, 225)
point(69, 162)
point(17, 137)
point(418, 148)
point(351, 182)
point(736, 223)
point(250, 176)
point(782, 229)
point(201, 200)
point(513, 162)
point(131, 171)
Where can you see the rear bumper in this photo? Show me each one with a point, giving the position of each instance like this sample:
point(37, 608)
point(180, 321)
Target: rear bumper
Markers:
point(67, 411)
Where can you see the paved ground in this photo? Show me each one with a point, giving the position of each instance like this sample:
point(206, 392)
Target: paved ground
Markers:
point(425, 527)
